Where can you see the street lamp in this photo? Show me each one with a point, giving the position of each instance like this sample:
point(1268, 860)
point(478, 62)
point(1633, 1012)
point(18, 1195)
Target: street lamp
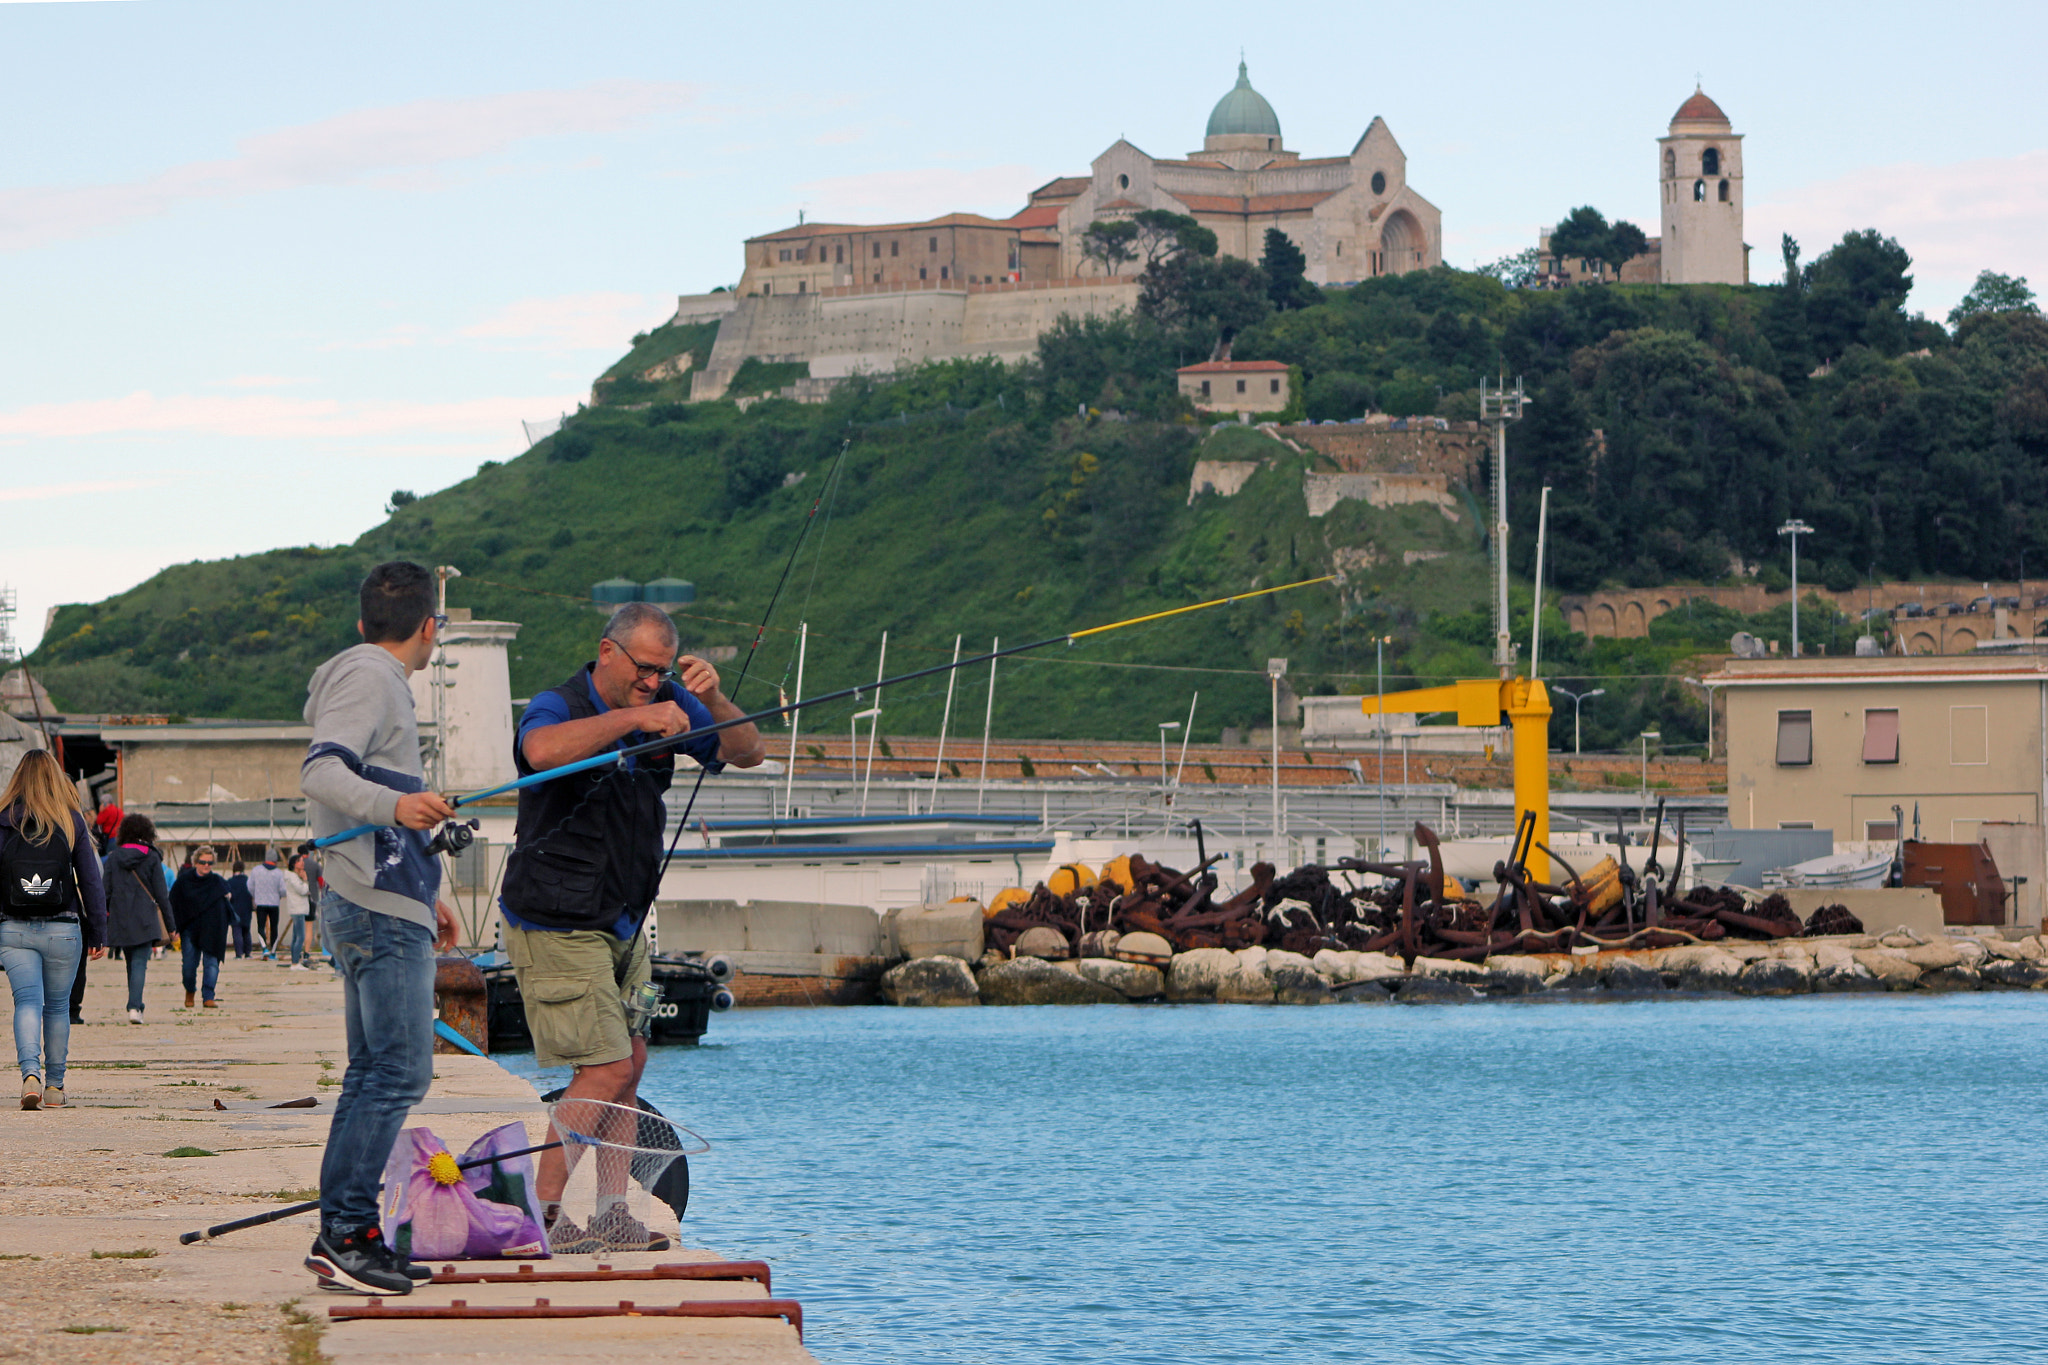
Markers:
point(1795, 528)
point(1577, 697)
point(1379, 665)
point(1164, 726)
point(1643, 804)
point(1276, 669)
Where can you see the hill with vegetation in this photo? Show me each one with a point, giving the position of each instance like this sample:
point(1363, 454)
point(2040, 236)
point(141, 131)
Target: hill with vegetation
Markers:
point(1677, 427)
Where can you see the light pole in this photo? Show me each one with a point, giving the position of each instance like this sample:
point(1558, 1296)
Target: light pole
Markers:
point(1795, 528)
point(1643, 803)
point(1164, 726)
point(1276, 669)
point(1577, 697)
point(1379, 666)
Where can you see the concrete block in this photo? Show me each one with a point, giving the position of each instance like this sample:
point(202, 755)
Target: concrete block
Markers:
point(950, 930)
point(1915, 907)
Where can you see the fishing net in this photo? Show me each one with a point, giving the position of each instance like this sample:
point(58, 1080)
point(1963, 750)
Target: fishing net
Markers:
point(627, 1176)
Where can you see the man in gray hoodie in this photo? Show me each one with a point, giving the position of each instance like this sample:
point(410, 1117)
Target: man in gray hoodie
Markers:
point(381, 912)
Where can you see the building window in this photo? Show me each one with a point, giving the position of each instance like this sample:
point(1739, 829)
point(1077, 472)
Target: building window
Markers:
point(1881, 736)
point(1379, 182)
point(1340, 248)
point(878, 249)
point(799, 286)
point(920, 272)
point(785, 253)
point(1710, 161)
point(893, 248)
point(1240, 386)
point(1670, 164)
point(1123, 182)
point(1205, 388)
point(945, 272)
point(1968, 737)
point(1276, 385)
point(1699, 191)
point(934, 243)
point(1795, 824)
point(768, 287)
point(1795, 739)
point(838, 254)
point(878, 277)
point(1880, 831)
point(1724, 191)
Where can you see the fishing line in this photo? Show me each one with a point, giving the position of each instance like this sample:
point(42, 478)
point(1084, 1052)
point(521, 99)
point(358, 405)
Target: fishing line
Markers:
point(788, 708)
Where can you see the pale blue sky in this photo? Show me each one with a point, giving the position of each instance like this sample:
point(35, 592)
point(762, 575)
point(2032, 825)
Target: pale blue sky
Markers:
point(260, 264)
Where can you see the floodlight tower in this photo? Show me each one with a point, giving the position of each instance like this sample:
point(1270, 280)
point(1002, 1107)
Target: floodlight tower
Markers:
point(1501, 405)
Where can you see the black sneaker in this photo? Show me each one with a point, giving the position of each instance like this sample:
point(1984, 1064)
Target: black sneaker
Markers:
point(360, 1263)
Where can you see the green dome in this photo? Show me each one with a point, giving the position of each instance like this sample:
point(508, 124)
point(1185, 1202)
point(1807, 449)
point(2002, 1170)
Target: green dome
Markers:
point(1243, 112)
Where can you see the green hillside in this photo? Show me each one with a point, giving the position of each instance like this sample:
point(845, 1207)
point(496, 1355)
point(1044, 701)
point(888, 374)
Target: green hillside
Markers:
point(1676, 426)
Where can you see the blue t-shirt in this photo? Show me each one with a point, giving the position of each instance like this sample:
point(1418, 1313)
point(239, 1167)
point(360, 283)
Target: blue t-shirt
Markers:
point(550, 709)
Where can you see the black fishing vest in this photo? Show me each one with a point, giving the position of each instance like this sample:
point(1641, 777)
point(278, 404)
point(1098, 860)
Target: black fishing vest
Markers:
point(588, 845)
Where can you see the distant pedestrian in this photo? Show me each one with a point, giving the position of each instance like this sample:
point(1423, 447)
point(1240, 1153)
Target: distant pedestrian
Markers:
point(55, 911)
point(199, 912)
point(138, 902)
point(293, 880)
point(266, 889)
point(241, 908)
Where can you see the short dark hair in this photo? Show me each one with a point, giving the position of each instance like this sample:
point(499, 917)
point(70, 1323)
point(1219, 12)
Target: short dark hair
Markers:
point(136, 829)
point(396, 597)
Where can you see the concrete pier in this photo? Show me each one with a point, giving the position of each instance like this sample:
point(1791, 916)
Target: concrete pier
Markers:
point(91, 1204)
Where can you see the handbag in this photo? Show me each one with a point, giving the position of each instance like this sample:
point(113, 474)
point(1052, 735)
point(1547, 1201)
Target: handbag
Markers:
point(168, 932)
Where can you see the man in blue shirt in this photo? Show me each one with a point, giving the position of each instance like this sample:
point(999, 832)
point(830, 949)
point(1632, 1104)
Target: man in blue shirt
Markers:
point(585, 869)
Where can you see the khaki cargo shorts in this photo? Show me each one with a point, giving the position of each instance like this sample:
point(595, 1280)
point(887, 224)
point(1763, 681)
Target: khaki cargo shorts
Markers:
point(575, 983)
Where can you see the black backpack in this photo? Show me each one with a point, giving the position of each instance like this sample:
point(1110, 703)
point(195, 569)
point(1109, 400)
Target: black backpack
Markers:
point(38, 878)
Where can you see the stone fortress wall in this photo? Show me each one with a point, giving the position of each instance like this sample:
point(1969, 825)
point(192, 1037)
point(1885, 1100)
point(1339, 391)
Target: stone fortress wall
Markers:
point(1945, 627)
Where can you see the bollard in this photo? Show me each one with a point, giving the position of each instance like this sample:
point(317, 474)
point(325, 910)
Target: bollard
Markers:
point(461, 1002)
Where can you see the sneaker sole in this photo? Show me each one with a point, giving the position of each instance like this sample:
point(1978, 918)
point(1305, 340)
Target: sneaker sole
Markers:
point(332, 1276)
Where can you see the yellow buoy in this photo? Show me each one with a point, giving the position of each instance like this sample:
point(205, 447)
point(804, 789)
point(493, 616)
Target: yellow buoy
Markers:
point(1004, 899)
point(1070, 878)
point(1118, 870)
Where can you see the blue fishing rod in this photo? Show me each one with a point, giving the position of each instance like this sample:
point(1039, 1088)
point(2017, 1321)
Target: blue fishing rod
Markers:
point(617, 756)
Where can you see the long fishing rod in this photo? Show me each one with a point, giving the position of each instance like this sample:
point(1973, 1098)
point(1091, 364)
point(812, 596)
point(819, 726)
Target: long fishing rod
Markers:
point(773, 712)
point(746, 666)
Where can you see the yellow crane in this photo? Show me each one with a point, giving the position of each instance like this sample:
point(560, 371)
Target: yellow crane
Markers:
point(1484, 701)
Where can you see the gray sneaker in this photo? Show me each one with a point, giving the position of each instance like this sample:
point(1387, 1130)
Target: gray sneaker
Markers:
point(567, 1239)
point(621, 1231)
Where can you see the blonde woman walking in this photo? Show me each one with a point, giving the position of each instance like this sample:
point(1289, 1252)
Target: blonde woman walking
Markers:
point(55, 912)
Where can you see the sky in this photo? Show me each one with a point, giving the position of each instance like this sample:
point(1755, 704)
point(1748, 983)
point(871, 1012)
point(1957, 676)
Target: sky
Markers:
point(261, 264)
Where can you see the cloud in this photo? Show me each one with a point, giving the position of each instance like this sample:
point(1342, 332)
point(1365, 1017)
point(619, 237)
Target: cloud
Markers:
point(275, 417)
point(261, 381)
point(1955, 220)
point(909, 195)
point(581, 322)
point(397, 145)
point(67, 490)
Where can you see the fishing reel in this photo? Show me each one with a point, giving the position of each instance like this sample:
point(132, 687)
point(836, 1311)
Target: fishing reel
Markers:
point(454, 836)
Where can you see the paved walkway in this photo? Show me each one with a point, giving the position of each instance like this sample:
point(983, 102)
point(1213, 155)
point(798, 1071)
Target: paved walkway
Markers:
point(91, 1202)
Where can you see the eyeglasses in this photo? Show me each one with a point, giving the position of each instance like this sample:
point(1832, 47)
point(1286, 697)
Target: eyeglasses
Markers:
point(646, 671)
point(440, 621)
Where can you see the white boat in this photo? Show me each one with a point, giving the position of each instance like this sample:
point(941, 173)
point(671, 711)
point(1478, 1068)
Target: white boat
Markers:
point(1861, 865)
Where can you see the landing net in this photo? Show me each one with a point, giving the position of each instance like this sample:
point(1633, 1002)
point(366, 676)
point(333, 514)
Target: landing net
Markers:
point(627, 1176)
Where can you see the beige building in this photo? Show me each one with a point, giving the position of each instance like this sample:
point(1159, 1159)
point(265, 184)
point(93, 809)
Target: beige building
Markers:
point(1837, 743)
point(1700, 191)
point(1237, 385)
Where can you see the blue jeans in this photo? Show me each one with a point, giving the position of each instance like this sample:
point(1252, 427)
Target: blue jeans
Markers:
point(138, 972)
point(41, 957)
point(192, 959)
point(298, 939)
point(387, 995)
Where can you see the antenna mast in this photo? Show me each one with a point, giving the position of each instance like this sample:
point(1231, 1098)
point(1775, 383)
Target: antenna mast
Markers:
point(1501, 405)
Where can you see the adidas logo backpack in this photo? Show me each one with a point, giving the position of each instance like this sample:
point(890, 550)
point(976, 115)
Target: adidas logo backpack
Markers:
point(37, 877)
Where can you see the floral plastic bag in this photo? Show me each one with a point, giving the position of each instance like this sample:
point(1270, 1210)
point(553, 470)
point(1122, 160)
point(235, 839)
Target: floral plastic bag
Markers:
point(433, 1210)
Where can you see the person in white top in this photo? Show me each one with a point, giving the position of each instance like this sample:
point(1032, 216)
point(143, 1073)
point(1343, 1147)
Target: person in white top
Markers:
point(292, 901)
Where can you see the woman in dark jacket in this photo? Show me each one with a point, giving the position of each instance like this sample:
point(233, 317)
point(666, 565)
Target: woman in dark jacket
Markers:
point(138, 906)
point(43, 826)
point(199, 910)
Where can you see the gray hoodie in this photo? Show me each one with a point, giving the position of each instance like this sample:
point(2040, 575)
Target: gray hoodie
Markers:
point(366, 754)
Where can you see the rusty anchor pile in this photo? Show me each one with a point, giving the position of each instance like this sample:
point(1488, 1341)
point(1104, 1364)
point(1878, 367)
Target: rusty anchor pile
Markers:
point(1414, 909)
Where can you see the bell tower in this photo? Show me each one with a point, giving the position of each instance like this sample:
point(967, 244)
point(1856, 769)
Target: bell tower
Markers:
point(1700, 179)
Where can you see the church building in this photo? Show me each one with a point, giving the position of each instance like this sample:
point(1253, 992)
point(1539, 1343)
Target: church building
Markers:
point(1700, 184)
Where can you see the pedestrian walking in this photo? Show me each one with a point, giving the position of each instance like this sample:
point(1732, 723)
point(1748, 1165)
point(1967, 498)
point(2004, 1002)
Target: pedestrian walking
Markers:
point(199, 912)
point(55, 913)
point(241, 908)
point(138, 902)
point(382, 911)
point(266, 889)
point(292, 882)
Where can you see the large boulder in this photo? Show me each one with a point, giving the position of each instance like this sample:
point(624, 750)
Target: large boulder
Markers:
point(1043, 941)
point(931, 981)
point(1149, 949)
point(2012, 974)
point(1247, 982)
point(949, 930)
point(1973, 951)
point(1451, 969)
point(1889, 965)
point(1031, 981)
point(1194, 975)
point(1775, 976)
point(1297, 983)
point(1433, 990)
point(1334, 964)
point(1364, 993)
point(1626, 976)
point(1947, 979)
point(1702, 968)
point(1131, 980)
point(1930, 957)
point(1513, 974)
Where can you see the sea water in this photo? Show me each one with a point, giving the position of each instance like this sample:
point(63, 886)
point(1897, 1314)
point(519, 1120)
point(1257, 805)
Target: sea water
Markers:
point(1698, 1180)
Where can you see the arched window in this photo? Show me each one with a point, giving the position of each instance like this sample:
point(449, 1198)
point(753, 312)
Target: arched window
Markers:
point(1123, 182)
point(1670, 164)
point(1379, 182)
point(1699, 191)
point(1724, 191)
point(1710, 161)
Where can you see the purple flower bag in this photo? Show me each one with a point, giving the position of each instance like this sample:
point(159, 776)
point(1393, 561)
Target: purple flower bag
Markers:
point(435, 1211)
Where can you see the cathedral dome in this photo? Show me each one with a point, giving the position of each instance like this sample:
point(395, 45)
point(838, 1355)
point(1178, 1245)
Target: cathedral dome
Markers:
point(1698, 109)
point(1243, 112)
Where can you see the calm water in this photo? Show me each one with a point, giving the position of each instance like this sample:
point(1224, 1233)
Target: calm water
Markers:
point(1854, 1179)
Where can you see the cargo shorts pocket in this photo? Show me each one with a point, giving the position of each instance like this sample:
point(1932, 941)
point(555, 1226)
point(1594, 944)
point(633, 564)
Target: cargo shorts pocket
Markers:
point(563, 1016)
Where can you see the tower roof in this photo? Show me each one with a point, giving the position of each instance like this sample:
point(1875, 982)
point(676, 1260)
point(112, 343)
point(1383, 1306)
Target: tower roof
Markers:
point(1243, 112)
point(1699, 109)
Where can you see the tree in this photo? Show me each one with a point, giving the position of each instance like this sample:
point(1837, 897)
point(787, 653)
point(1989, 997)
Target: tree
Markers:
point(1518, 271)
point(1287, 273)
point(1583, 233)
point(1994, 293)
point(1110, 244)
point(1161, 233)
point(1856, 294)
point(1204, 299)
point(1625, 242)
